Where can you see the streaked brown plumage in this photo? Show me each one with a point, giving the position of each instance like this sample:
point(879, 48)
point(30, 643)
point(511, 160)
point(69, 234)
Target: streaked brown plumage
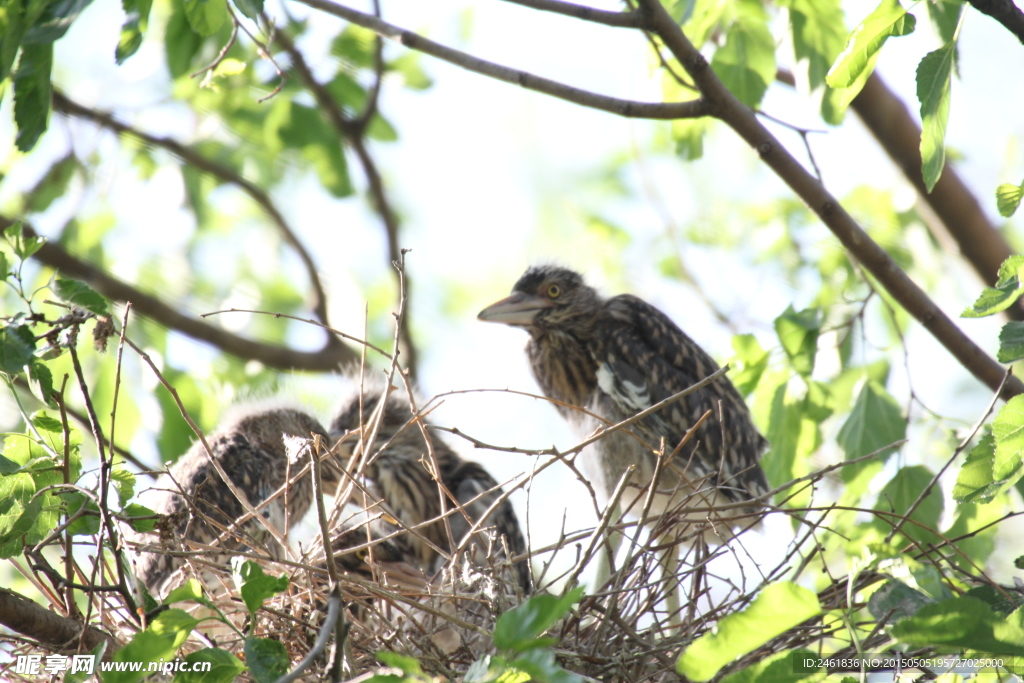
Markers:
point(397, 472)
point(252, 451)
point(615, 357)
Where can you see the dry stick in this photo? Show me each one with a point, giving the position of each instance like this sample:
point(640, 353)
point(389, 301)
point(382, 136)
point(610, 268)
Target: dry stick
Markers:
point(963, 444)
point(631, 19)
point(105, 467)
point(226, 174)
point(334, 604)
point(725, 106)
point(599, 530)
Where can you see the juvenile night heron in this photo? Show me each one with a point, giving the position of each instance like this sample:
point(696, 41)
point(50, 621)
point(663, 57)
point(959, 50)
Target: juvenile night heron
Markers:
point(201, 508)
point(616, 357)
point(398, 472)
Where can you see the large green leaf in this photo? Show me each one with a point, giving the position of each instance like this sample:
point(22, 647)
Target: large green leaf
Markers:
point(798, 334)
point(206, 16)
point(900, 493)
point(521, 628)
point(32, 94)
point(934, 78)
point(964, 622)
point(781, 667)
point(746, 63)
point(1011, 342)
point(776, 609)
point(17, 345)
point(819, 34)
point(12, 30)
point(1007, 290)
point(267, 659)
point(79, 294)
point(224, 667)
point(888, 19)
point(256, 586)
point(875, 422)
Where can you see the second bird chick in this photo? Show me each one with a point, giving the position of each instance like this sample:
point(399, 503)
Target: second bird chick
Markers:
point(398, 470)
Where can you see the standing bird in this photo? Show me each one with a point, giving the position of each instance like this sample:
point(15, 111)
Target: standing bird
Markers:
point(616, 357)
point(398, 472)
point(251, 449)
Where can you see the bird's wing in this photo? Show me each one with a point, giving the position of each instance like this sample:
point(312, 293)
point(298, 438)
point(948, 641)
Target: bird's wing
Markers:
point(643, 358)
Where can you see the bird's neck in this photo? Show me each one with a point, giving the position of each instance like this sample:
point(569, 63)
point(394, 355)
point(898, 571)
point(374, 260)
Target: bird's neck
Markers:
point(563, 366)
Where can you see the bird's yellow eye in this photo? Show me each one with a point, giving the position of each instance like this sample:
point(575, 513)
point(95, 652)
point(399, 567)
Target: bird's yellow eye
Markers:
point(554, 291)
point(363, 555)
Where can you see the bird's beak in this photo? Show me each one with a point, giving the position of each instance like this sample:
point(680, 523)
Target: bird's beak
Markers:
point(518, 309)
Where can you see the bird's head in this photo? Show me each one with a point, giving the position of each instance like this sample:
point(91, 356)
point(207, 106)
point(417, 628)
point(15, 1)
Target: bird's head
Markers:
point(547, 298)
point(394, 425)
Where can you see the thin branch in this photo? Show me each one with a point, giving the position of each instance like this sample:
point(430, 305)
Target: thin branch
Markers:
point(414, 41)
point(722, 104)
point(326, 359)
point(631, 19)
point(226, 174)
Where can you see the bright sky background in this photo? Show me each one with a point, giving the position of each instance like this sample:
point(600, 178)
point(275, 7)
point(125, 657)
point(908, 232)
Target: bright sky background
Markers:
point(486, 176)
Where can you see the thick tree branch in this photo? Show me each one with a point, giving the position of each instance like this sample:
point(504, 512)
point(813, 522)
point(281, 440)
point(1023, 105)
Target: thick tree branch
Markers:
point(613, 105)
point(330, 358)
point(1005, 12)
point(631, 19)
point(724, 105)
point(20, 614)
point(228, 175)
point(892, 124)
point(352, 130)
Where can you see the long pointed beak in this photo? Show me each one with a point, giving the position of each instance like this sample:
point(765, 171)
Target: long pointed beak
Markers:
point(518, 309)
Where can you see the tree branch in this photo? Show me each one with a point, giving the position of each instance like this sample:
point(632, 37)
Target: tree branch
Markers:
point(1003, 11)
point(20, 614)
point(980, 242)
point(613, 105)
point(328, 359)
point(723, 105)
point(352, 130)
point(226, 174)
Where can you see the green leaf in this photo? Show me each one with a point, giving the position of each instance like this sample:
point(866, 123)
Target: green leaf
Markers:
point(888, 19)
point(17, 344)
point(975, 483)
point(1008, 198)
point(409, 65)
point(190, 590)
point(819, 34)
point(407, 665)
point(689, 137)
point(159, 642)
point(542, 667)
point(896, 599)
point(206, 16)
point(964, 622)
point(1011, 342)
point(798, 334)
point(746, 63)
point(87, 524)
point(1007, 290)
point(53, 185)
point(124, 482)
point(13, 25)
point(181, 43)
point(1008, 430)
point(255, 586)
point(32, 94)
point(54, 20)
point(875, 422)
point(776, 609)
point(900, 493)
point(250, 8)
point(836, 101)
point(267, 659)
point(224, 667)
point(520, 629)
point(782, 667)
point(79, 294)
point(141, 525)
point(934, 78)
point(16, 490)
point(945, 15)
point(134, 28)
point(750, 362)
